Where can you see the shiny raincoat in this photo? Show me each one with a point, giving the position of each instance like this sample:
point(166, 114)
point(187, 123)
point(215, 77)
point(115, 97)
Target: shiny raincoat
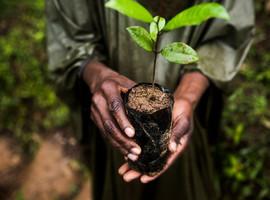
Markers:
point(83, 30)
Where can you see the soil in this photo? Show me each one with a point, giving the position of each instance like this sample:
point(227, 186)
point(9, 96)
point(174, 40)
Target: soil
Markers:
point(148, 99)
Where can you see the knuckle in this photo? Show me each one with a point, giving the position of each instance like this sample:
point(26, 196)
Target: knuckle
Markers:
point(106, 84)
point(119, 147)
point(125, 144)
point(115, 105)
point(109, 126)
point(123, 151)
point(115, 144)
point(95, 98)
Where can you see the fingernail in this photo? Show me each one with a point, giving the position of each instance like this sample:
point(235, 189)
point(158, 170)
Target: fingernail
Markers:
point(136, 151)
point(121, 171)
point(132, 157)
point(143, 179)
point(173, 146)
point(126, 178)
point(129, 132)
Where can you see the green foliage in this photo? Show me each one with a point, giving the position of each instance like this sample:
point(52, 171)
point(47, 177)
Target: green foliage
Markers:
point(244, 147)
point(246, 139)
point(196, 15)
point(131, 9)
point(156, 27)
point(161, 22)
point(153, 31)
point(179, 53)
point(176, 52)
point(28, 103)
point(141, 37)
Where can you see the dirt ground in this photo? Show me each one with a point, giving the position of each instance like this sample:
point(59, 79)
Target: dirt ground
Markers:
point(55, 172)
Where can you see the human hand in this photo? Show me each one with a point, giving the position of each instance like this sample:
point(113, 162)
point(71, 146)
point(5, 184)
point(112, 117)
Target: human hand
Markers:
point(181, 132)
point(107, 109)
point(186, 96)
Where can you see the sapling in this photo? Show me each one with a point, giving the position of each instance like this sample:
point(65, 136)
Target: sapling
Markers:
point(151, 133)
point(176, 52)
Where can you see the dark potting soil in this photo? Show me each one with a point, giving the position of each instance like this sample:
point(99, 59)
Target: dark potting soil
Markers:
point(149, 110)
point(148, 99)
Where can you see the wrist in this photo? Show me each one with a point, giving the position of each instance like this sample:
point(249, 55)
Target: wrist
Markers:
point(191, 88)
point(94, 73)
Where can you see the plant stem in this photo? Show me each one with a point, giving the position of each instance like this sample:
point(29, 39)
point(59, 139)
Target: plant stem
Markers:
point(155, 60)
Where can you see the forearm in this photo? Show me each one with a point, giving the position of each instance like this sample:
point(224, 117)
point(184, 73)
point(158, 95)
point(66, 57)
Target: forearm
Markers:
point(191, 88)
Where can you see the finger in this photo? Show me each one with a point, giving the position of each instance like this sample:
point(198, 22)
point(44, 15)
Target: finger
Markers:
point(125, 144)
point(97, 119)
point(123, 169)
point(172, 157)
point(131, 175)
point(115, 103)
point(125, 82)
point(111, 131)
point(146, 179)
point(181, 127)
point(94, 115)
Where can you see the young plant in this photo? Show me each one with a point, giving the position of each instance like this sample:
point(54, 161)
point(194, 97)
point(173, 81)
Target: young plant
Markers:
point(176, 52)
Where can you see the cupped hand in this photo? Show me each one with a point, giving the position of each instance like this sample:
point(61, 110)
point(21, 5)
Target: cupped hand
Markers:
point(107, 109)
point(181, 131)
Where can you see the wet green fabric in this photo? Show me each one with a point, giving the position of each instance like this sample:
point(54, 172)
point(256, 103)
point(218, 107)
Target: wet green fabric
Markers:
point(81, 30)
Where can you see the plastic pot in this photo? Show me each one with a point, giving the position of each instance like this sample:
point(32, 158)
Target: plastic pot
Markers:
point(153, 132)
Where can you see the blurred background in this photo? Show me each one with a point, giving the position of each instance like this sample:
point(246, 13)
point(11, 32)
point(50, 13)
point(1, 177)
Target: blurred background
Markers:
point(40, 158)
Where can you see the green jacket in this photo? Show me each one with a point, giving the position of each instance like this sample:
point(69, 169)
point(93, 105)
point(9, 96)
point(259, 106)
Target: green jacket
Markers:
point(81, 30)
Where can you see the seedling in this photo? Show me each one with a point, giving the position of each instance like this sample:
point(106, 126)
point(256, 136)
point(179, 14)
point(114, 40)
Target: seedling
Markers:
point(149, 106)
point(176, 52)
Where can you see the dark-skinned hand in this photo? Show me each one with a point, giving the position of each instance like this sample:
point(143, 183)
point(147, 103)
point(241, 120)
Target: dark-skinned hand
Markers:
point(187, 95)
point(181, 132)
point(107, 109)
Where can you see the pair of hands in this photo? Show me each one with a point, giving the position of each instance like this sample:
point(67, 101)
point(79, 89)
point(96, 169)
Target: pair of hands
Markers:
point(108, 113)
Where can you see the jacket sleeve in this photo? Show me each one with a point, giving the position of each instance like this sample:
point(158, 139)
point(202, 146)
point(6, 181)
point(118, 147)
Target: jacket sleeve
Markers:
point(223, 45)
point(74, 36)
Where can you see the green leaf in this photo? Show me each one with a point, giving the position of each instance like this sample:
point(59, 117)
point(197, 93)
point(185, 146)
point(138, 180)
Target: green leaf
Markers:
point(160, 21)
point(156, 26)
point(131, 9)
point(154, 31)
point(141, 37)
point(197, 14)
point(179, 53)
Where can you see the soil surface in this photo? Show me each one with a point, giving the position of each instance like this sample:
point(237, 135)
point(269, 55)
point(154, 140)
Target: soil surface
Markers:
point(148, 99)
